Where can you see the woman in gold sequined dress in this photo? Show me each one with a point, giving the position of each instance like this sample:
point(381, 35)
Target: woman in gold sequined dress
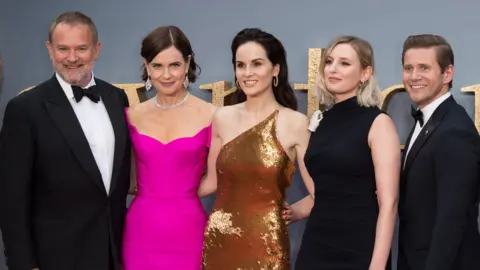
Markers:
point(254, 145)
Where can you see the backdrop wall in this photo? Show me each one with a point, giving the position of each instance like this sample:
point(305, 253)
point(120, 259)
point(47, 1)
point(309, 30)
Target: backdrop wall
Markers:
point(211, 25)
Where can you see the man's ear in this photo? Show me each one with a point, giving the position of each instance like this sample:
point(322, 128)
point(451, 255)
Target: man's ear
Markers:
point(448, 74)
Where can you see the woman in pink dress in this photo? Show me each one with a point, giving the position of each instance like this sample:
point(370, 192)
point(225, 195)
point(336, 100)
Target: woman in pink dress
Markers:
point(171, 136)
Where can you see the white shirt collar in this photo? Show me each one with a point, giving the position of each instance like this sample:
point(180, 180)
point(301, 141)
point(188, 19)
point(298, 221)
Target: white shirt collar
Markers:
point(67, 88)
point(430, 108)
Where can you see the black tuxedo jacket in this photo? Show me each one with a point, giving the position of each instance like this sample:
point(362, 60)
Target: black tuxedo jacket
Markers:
point(439, 194)
point(55, 212)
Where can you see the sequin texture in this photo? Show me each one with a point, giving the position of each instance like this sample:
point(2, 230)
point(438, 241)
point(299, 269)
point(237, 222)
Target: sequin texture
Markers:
point(222, 222)
point(246, 229)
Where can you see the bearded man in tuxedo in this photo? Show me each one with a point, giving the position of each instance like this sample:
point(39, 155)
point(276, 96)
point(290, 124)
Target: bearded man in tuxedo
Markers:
point(65, 161)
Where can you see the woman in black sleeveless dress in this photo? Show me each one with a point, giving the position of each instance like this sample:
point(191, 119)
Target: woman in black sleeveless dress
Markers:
point(354, 159)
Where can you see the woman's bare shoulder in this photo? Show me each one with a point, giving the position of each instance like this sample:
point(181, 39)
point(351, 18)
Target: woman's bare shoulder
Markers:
point(294, 118)
point(204, 108)
point(137, 110)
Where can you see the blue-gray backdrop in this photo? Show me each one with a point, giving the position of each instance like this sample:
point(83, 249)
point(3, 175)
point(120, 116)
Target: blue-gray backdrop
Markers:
point(211, 25)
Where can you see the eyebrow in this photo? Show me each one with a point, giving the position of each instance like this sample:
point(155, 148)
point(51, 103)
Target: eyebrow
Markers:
point(341, 58)
point(64, 45)
point(174, 62)
point(416, 64)
point(256, 59)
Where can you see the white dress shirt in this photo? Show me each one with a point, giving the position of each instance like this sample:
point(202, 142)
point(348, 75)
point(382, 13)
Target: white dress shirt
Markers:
point(96, 126)
point(427, 113)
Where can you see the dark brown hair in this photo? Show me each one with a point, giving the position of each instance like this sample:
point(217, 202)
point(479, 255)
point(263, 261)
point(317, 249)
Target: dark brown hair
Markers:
point(163, 38)
point(74, 18)
point(443, 49)
point(276, 53)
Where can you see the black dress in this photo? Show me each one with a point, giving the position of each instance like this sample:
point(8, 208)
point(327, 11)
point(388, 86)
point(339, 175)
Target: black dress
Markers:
point(340, 232)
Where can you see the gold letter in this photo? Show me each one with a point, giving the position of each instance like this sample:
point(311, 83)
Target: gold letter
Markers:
point(221, 91)
point(131, 92)
point(476, 90)
point(314, 56)
point(388, 93)
point(25, 90)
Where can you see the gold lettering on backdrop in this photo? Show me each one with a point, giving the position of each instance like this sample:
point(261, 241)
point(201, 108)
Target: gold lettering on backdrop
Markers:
point(26, 89)
point(131, 91)
point(314, 57)
point(221, 92)
point(476, 90)
point(388, 93)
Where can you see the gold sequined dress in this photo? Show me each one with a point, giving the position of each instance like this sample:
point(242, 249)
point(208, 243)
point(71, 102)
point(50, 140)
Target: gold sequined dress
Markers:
point(246, 229)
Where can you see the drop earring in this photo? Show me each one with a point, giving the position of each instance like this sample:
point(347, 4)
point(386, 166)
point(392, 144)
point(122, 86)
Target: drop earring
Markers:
point(148, 83)
point(186, 82)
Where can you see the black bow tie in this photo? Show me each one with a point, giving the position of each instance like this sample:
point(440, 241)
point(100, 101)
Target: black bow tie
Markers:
point(418, 116)
point(91, 93)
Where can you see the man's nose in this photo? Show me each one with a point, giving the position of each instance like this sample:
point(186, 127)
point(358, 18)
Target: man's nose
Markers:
point(414, 75)
point(72, 56)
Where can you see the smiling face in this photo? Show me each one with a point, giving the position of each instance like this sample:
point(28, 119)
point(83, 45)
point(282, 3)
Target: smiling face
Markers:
point(253, 69)
point(73, 52)
point(167, 71)
point(343, 72)
point(423, 77)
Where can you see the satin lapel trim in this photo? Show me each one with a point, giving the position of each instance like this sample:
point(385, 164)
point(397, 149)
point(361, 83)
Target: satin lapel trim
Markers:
point(117, 118)
point(427, 132)
point(407, 144)
point(62, 114)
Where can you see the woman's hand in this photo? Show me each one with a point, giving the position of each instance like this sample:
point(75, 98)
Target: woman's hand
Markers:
point(287, 213)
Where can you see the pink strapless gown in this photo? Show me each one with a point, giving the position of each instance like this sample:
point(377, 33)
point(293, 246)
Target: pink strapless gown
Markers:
point(165, 222)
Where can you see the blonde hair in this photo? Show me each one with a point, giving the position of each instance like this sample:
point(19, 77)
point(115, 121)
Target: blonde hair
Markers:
point(368, 94)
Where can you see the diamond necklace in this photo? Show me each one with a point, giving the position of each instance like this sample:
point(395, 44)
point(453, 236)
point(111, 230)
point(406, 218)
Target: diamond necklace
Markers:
point(167, 107)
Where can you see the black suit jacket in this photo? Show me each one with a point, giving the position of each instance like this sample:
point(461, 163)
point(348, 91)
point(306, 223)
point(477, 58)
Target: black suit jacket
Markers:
point(55, 210)
point(439, 193)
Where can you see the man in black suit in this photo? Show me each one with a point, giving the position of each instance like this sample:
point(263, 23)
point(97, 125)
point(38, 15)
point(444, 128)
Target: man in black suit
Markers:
point(65, 161)
point(439, 186)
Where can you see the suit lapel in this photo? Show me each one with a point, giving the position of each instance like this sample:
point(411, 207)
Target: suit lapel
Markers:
point(407, 144)
point(62, 114)
point(427, 132)
point(117, 118)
